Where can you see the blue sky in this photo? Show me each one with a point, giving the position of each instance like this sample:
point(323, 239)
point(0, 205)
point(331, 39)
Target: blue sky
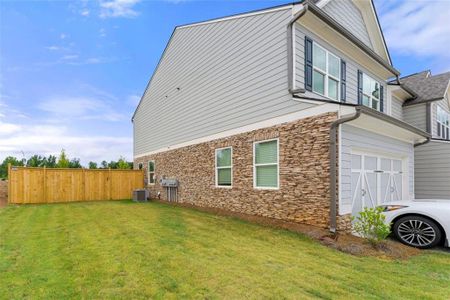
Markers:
point(71, 73)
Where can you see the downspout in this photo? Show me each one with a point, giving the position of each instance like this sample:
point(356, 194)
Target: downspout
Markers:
point(333, 151)
point(290, 52)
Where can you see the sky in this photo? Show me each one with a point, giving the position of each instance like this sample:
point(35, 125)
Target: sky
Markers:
point(72, 72)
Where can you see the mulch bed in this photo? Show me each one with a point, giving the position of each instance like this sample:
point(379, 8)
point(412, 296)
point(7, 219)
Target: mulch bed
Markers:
point(341, 241)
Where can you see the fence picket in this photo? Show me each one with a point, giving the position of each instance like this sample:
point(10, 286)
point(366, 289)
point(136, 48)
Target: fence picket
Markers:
point(45, 185)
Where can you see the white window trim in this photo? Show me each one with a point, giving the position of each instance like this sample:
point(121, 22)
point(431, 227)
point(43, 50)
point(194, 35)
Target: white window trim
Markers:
point(443, 134)
point(371, 97)
point(148, 172)
point(327, 75)
point(270, 164)
point(217, 168)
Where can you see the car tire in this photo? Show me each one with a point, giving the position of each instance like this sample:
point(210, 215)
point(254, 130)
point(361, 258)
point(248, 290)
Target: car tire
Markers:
point(417, 231)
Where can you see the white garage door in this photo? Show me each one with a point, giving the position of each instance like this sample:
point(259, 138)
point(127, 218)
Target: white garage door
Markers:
point(375, 180)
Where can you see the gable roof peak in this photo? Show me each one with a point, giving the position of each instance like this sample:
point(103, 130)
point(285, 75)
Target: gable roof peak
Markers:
point(427, 87)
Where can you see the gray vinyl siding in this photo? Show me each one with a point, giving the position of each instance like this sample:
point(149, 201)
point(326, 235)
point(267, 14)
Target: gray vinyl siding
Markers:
point(230, 73)
point(433, 170)
point(416, 115)
point(352, 66)
point(445, 106)
point(353, 137)
point(349, 16)
point(397, 109)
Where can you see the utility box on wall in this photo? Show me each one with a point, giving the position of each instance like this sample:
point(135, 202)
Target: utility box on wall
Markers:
point(171, 186)
point(166, 182)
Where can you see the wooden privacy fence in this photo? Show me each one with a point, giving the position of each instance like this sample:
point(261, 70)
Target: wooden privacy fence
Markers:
point(48, 185)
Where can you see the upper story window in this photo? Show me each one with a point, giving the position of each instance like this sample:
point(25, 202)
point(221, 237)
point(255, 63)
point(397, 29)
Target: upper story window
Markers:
point(224, 167)
point(443, 124)
point(371, 92)
point(326, 70)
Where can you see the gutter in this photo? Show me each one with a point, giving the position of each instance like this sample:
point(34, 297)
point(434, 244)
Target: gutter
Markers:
point(333, 167)
point(309, 6)
point(423, 143)
point(290, 52)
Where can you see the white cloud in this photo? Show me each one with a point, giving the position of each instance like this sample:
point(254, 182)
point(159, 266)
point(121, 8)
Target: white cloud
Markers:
point(69, 57)
point(63, 36)
point(102, 32)
point(85, 12)
point(80, 124)
point(418, 28)
point(6, 128)
point(50, 139)
point(53, 48)
point(82, 108)
point(118, 8)
point(91, 61)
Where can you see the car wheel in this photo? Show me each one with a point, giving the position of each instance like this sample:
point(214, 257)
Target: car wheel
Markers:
point(417, 231)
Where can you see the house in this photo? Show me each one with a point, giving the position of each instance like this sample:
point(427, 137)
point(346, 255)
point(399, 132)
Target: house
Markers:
point(428, 108)
point(293, 112)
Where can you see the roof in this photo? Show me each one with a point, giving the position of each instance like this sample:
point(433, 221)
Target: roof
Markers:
point(426, 86)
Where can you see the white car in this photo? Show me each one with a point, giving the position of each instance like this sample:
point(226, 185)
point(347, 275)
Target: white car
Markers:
point(420, 223)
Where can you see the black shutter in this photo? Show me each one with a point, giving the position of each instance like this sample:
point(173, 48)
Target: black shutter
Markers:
point(360, 87)
point(343, 81)
point(381, 98)
point(308, 63)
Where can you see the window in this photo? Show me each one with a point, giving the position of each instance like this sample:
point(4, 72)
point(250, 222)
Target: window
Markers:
point(151, 172)
point(265, 162)
point(443, 124)
point(326, 72)
point(371, 92)
point(224, 167)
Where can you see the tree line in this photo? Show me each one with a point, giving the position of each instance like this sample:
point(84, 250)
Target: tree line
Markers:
point(62, 161)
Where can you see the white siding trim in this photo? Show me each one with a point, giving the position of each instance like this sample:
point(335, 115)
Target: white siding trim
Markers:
point(309, 112)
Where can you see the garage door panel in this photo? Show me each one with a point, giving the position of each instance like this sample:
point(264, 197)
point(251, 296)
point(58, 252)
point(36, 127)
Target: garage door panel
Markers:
point(398, 186)
point(375, 180)
point(385, 186)
point(356, 162)
point(371, 190)
point(370, 162)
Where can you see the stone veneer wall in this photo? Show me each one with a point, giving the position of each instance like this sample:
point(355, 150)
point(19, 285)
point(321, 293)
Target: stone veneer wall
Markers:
point(303, 195)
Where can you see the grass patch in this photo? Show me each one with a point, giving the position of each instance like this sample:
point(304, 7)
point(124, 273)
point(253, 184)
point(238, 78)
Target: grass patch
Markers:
point(140, 250)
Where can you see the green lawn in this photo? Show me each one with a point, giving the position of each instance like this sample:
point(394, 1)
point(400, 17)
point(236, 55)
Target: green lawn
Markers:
point(127, 250)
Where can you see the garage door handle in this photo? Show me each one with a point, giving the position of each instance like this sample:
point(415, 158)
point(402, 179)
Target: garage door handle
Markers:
point(378, 171)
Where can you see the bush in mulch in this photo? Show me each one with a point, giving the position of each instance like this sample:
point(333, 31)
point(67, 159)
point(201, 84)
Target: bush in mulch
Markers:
point(341, 241)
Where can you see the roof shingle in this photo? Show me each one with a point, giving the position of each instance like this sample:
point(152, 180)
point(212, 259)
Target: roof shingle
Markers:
point(425, 86)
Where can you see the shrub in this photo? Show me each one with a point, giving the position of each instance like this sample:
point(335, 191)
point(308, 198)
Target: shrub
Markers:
point(370, 224)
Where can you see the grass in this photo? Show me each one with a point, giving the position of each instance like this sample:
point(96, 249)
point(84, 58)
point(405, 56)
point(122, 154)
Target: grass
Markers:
point(128, 250)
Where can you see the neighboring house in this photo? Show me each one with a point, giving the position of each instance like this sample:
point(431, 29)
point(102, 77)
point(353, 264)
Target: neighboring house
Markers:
point(428, 108)
point(284, 112)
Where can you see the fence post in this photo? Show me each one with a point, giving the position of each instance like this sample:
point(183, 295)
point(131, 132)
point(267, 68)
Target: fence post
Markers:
point(110, 184)
point(45, 184)
point(84, 185)
point(9, 183)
